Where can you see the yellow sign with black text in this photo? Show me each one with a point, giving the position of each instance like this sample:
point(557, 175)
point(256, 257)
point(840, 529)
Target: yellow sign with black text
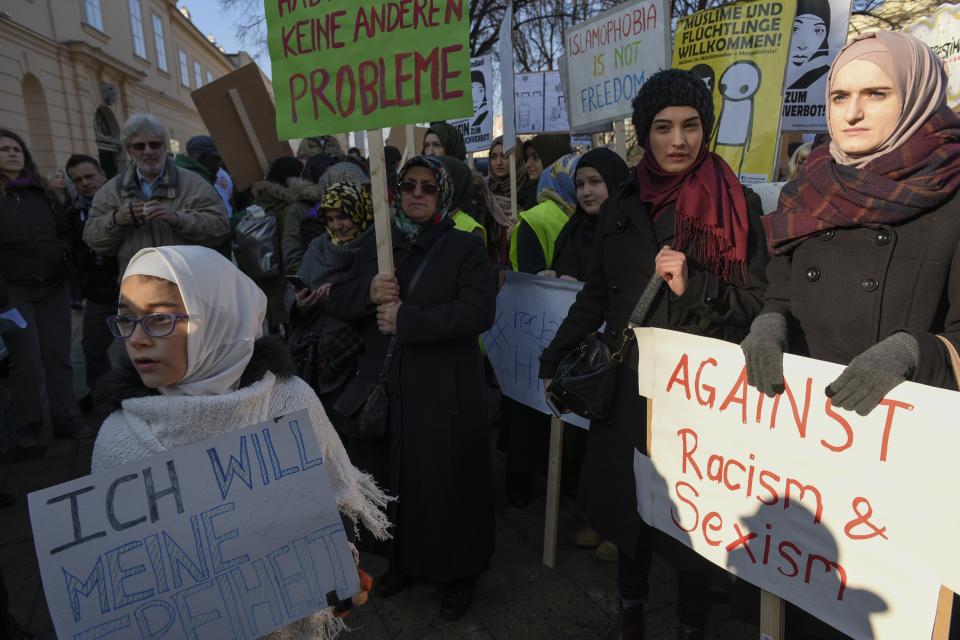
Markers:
point(740, 51)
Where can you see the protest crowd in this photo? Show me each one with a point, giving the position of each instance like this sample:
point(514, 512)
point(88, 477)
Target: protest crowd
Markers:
point(206, 308)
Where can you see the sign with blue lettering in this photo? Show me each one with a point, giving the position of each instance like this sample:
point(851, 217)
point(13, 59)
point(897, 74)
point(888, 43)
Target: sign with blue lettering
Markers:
point(231, 537)
point(610, 56)
point(530, 309)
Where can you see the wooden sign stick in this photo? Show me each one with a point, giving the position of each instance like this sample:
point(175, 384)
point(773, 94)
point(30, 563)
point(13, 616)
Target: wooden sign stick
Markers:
point(620, 138)
point(382, 217)
point(511, 160)
point(409, 132)
point(248, 129)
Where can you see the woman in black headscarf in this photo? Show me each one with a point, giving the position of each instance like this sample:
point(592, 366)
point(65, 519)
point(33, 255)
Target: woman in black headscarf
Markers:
point(598, 174)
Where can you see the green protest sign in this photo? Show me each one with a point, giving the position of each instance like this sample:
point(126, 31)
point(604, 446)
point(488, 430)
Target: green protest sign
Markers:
point(347, 65)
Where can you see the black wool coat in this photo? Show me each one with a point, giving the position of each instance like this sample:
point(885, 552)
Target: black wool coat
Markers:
point(627, 242)
point(436, 455)
point(845, 290)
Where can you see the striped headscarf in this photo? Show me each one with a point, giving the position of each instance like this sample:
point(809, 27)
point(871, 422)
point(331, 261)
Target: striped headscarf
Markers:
point(445, 203)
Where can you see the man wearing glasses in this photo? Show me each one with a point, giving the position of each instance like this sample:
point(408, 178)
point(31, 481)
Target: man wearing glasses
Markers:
point(153, 203)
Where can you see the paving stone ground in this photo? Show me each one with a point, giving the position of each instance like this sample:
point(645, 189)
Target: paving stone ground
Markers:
point(518, 598)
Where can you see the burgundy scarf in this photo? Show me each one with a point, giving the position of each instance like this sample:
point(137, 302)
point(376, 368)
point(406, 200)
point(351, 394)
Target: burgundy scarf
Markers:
point(900, 185)
point(711, 210)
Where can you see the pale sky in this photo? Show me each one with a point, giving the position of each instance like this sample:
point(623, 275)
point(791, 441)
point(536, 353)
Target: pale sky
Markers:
point(210, 18)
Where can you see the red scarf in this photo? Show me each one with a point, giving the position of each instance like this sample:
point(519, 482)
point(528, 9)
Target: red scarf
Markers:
point(902, 184)
point(711, 209)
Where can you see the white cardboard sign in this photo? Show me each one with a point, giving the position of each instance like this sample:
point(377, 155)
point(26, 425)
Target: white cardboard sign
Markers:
point(941, 32)
point(530, 309)
point(234, 536)
point(850, 518)
point(610, 56)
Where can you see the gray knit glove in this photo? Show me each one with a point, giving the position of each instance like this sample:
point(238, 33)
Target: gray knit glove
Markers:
point(874, 373)
point(763, 351)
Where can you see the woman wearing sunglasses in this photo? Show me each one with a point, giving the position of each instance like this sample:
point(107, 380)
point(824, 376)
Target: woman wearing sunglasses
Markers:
point(199, 366)
point(435, 454)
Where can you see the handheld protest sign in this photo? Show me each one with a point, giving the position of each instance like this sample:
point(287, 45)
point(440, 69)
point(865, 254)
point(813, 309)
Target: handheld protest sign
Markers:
point(740, 51)
point(941, 32)
point(381, 207)
point(239, 114)
point(366, 64)
point(230, 537)
point(610, 56)
point(763, 486)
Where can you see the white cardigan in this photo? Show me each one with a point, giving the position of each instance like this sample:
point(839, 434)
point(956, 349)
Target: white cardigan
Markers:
point(150, 425)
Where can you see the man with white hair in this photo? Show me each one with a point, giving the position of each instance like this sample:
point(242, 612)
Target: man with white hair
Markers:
point(153, 203)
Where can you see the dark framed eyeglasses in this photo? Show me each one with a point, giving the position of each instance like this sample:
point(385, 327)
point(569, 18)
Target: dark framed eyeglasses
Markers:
point(155, 325)
point(428, 188)
point(140, 146)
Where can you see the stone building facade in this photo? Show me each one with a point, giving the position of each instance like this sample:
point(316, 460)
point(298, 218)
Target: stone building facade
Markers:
point(71, 72)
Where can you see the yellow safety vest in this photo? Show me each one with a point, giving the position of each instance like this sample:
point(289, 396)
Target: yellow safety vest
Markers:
point(546, 219)
point(465, 222)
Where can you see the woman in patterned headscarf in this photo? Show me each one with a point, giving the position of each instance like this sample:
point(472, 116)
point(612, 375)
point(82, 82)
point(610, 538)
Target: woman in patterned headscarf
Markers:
point(435, 454)
point(325, 349)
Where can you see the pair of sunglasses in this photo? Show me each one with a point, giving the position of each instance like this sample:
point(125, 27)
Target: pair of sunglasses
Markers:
point(155, 325)
point(427, 188)
point(140, 146)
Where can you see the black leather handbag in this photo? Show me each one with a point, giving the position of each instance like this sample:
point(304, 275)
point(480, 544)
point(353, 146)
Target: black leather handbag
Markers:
point(585, 379)
point(367, 404)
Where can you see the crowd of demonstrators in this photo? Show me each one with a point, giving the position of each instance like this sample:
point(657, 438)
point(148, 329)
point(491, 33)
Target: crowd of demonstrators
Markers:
point(867, 218)
point(98, 274)
point(198, 365)
point(685, 216)
point(34, 261)
point(420, 330)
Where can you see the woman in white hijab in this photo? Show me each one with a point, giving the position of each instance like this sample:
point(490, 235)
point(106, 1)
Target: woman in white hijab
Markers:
point(200, 366)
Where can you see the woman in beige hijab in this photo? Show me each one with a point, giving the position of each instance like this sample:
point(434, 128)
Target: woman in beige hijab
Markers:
point(865, 243)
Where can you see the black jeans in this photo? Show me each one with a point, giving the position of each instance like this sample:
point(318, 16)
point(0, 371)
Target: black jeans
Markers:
point(693, 575)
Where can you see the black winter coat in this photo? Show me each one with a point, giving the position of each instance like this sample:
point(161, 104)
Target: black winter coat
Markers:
point(436, 453)
point(627, 242)
point(99, 274)
point(34, 238)
point(845, 290)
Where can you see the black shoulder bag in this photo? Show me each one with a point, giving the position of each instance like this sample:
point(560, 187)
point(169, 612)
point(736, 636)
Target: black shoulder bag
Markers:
point(586, 377)
point(366, 404)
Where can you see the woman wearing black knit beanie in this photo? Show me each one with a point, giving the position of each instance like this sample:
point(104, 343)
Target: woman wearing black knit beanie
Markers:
point(683, 215)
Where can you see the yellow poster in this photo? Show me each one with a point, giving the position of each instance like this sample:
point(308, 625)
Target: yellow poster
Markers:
point(740, 52)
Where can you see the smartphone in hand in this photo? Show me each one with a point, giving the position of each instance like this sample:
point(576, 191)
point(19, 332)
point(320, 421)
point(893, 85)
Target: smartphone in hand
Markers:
point(297, 283)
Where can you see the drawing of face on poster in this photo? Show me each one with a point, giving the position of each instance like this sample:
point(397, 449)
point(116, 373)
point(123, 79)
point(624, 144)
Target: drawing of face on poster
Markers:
point(739, 83)
point(809, 58)
point(481, 109)
point(705, 73)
